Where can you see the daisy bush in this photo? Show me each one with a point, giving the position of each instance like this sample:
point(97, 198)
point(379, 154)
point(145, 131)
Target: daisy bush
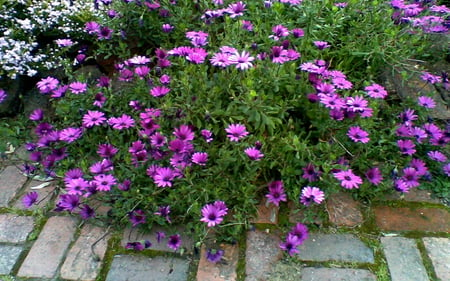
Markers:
point(212, 106)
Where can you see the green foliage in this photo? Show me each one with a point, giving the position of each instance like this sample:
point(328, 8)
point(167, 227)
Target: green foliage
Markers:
point(270, 99)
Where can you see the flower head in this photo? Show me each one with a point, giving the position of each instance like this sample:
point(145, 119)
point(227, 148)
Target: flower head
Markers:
point(311, 194)
point(29, 199)
point(214, 256)
point(310, 173)
point(276, 193)
point(374, 176)
point(426, 102)
point(236, 132)
point(253, 153)
point(213, 214)
point(242, 61)
point(174, 242)
point(376, 91)
point(291, 244)
point(200, 158)
point(357, 134)
point(348, 179)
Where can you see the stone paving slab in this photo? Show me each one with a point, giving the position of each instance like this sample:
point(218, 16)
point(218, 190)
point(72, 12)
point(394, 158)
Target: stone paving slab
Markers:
point(134, 234)
point(438, 250)
point(403, 258)
point(44, 195)
point(409, 219)
point(48, 250)
point(224, 270)
point(261, 253)
point(414, 195)
point(8, 258)
point(336, 274)
point(11, 181)
point(14, 228)
point(335, 247)
point(139, 268)
point(80, 263)
point(343, 210)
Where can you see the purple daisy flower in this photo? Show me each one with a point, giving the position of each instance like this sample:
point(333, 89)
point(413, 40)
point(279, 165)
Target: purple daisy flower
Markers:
point(104, 33)
point(236, 9)
point(200, 158)
point(159, 91)
point(122, 122)
point(310, 173)
point(214, 256)
point(276, 193)
point(406, 147)
point(410, 177)
point(77, 87)
point(207, 135)
point(184, 133)
point(76, 186)
point(357, 134)
point(212, 214)
point(163, 177)
point(47, 85)
point(164, 212)
point(301, 231)
point(93, 118)
point(99, 99)
point(408, 116)
point(376, 91)
point(3, 95)
point(67, 202)
point(137, 217)
point(298, 32)
point(291, 244)
point(446, 169)
point(235, 132)
point(374, 176)
point(86, 212)
point(104, 182)
point(220, 60)
point(311, 194)
point(253, 153)
point(106, 150)
point(37, 115)
point(174, 242)
point(321, 45)
point(426, 102)
point(401, 186)
point(242, 61)
point(348, 179)
point(437, 156)
point(29, 199)
point(70, 135)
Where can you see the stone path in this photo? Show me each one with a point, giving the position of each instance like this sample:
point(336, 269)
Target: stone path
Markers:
point(396, 239)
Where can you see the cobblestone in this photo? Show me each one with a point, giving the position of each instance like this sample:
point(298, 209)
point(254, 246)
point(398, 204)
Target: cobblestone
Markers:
point(8, 258)
point(335, 247)
point(14, 228)
point(139, 268)
point(403, 259)
point(336, 274)
point(438, 250)
point(48, 250)
point(11, 180)
point(83, 262)
point(262, 251)
point(224, 270)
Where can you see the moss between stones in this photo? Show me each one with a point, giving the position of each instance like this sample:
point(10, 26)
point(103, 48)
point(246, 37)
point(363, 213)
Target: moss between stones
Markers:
point(426, 260)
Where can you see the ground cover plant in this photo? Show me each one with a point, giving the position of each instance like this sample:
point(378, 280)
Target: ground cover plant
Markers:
point(205, 108)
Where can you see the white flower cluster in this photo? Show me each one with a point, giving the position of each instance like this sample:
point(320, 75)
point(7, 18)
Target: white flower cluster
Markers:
point(21, 21)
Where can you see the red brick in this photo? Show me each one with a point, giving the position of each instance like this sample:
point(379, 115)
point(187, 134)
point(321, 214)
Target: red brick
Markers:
point(80, 263)
point(409, 219)
point(343, 210)
point(48, 250)
point(224, 270)
point(11, 180)
point(267, 213)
